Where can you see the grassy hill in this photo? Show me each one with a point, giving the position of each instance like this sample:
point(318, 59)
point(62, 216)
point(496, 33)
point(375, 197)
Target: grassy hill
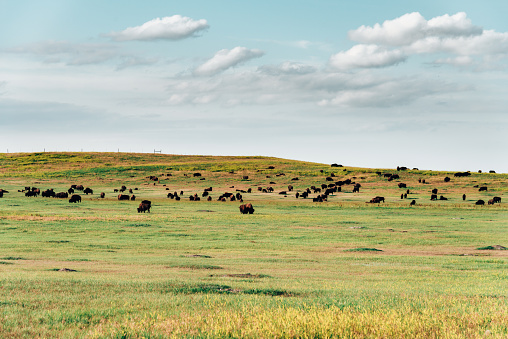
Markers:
point(294, 268)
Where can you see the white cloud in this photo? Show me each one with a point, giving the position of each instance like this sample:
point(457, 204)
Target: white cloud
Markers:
point(453, 38)
point(288, 67)
point(366, 56)
point(412, 27)
point(175, 27)
point(224, 59)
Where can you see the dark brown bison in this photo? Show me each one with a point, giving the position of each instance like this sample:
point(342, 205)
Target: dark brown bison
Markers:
point(491, 202)
point(497, 199)
point(62, 195)
point(70, 190)
point(290, 188)
point(480, 202)
point(30, 194)
point(79, 187)
point(463, 197)
point(88, 190)
point(433, 197)
point(443, 198)
point(447, 179)
point(434, 191)
point(209, 198)
point(48, 193)
point(75, 198)
point(402, 185)
point(103, 195)
point(412, 203)
point(143, 207)
point(375, 200)
point(196, 174)
point(462, 174)
point(246, 209)
point(133, 197)
point(483, 188)
point(123, 197)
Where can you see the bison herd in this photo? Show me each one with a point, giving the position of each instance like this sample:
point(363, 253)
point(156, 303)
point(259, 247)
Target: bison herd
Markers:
point(323, 191)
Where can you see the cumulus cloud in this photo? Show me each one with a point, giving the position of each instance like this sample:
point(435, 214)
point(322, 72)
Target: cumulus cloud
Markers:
point(225, 58)
point(366, 56)
point(453, 38)
point(412, 27)
point(175, 27)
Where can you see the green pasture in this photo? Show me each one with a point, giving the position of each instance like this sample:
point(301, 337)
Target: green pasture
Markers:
point(295, 268)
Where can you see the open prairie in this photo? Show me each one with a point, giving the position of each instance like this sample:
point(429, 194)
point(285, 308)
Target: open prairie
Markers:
point(342, 267)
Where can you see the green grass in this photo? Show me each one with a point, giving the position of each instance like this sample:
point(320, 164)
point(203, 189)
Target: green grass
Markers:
point(294, 268)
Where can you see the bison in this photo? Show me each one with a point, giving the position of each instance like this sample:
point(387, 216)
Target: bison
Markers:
point(412, 203)
point(483, 188)
point(246, 209)
point(497, 199)
point(446, 179)
point(433, 197)
point(75, 198)
point(88, 190)
point(480, 202)
point(103, 195)
point(402, 185)
point(143, 207)
point(123, 197)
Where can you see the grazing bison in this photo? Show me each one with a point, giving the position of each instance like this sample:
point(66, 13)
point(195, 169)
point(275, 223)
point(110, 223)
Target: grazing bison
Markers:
point(446, 179)
point(376, 200)
point(483, 188)
point(356, 189)
point(70, 190)
point(491, 202)
point(462, 174)
point(442, 198)
point(209, 198)
point(123, 197)
point(196, 174)
point(402, 185)
point(103, 195)
point(497, 199)
point(246, 209)
point(480, 202)
point(491, 171)
point(48, 193)
point(75, 198)
point(143, 207)
point(413, 202)
point(88, 190)
point(30, 194)
point(433, 197)
point(133, 197)
point(79, 187)
point(62, 195)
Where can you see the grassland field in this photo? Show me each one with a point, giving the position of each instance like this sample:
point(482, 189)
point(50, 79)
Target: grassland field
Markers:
point(342, 268)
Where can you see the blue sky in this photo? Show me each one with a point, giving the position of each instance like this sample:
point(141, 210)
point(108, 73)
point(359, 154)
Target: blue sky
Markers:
point(367, 83)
